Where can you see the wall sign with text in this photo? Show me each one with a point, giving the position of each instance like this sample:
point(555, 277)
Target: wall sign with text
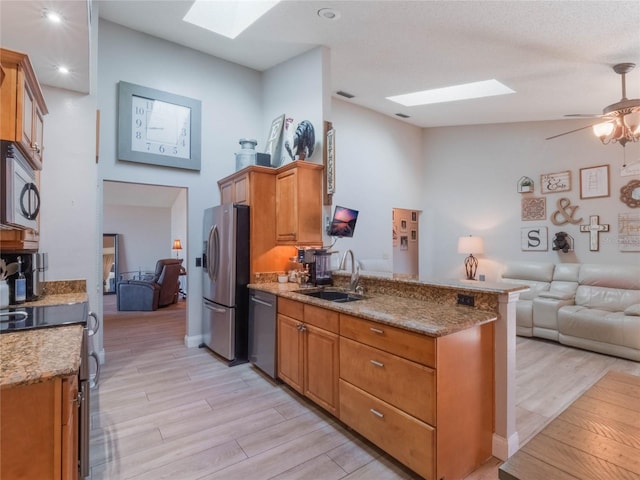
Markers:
point(533, 239)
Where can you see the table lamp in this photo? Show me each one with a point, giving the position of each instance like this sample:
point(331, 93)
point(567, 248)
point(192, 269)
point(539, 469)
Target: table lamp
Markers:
point(470, 245)
point(177, 246)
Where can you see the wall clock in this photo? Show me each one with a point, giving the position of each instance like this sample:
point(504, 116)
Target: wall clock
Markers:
point(158, 128)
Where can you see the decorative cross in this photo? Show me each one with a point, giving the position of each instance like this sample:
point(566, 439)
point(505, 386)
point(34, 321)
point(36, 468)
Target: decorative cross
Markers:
point(594, 229)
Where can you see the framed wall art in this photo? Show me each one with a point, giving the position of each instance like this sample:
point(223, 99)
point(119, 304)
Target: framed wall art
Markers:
point(329, 159)
point(533, 239)
point(594, 182)
point(273, 146)
point(629, 232)
point(534, 209)
point(555, 182)
point(158, 128)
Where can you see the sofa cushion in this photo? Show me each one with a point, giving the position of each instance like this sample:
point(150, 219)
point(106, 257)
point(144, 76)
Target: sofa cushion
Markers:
point(633, 310)
point(611, 276)
point(539, 272)
point(599, 325)
point(603, 298)
point(557, 295)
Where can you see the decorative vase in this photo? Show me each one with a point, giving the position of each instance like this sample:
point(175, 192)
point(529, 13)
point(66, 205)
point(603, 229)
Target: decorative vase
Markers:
point(247, 155)
point(4, 294)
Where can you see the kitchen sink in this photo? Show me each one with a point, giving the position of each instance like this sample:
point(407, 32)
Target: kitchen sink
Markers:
point(332, 295)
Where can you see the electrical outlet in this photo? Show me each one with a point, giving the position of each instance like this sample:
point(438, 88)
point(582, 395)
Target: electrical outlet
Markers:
point(198, 262)
point(465, 300)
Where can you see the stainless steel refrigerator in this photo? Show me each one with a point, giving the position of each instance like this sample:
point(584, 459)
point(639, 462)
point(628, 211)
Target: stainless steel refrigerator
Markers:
point(225, 265)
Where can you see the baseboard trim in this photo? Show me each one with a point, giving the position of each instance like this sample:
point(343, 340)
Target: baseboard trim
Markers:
point(503, 448)
point(192, 341)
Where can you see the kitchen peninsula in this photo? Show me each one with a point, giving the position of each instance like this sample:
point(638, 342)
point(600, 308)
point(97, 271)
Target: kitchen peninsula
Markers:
point(422, 377)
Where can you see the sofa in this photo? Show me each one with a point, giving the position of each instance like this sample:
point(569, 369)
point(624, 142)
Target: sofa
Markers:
point(589, 306)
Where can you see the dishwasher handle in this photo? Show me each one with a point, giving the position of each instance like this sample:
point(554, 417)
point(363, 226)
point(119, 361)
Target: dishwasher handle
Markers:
point(261, 302)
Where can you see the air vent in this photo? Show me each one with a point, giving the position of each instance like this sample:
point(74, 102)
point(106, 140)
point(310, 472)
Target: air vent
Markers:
point(344, 94)
point(402, 115)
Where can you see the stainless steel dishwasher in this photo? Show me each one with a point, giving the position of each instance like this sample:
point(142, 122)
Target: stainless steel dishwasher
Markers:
point(262, 331)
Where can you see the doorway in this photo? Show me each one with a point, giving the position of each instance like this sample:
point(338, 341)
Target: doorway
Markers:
point(110, 271)
point(406, 236)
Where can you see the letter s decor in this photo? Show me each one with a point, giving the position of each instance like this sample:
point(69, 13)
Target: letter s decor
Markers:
point(533, 239)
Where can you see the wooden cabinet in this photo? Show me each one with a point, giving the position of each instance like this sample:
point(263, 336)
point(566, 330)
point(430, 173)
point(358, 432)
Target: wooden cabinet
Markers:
point(236, 189)
point(426, 401)
point(23, 106)
point(39, 430)
point(308, 352)
point(299, 204)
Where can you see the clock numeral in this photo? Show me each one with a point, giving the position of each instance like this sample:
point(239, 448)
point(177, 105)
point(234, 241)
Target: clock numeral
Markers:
point(148, 147)
point(138, 122)
point(139, 135)
point(161, 148)
point(183, 132)
point(139, 111)
point(175, 150)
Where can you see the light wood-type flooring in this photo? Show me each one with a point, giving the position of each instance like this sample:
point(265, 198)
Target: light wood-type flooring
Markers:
point(163, 411)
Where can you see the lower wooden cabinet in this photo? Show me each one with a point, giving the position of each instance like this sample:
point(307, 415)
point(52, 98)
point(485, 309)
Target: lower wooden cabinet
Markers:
point(397, 433)
point(308, 356)
point(427, 401)
point(39, 430)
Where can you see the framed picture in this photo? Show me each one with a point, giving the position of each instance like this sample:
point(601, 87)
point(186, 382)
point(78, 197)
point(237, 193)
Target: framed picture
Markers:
point(594, 182)
point(414, 235)
point(158, 128)
point(274, 144)
point(630, 194)
point(534, 208)
point(414, 217)
point(329, 159)
point(533, 239)
point(629, 232)
point(403, 225)
point(555, 182)
point(404, 242)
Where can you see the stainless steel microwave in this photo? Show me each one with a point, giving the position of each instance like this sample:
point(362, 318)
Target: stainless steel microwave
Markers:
point(20, 198)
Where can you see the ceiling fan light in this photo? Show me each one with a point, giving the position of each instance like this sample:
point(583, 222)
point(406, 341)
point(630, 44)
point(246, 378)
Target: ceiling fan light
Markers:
point(603, 130)
point(632, 121)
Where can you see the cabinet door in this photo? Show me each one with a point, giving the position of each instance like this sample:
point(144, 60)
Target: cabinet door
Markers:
point(321, 362)
point(38, 135)
point(226, 192)
point(70, 428)
point(290, 351)
point(287, 207)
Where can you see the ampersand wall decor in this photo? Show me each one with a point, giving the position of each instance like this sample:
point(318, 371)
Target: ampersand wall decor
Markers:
point(567, 211)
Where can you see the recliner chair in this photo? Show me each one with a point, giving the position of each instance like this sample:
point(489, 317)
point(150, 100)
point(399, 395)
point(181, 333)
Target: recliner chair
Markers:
point(162, 290)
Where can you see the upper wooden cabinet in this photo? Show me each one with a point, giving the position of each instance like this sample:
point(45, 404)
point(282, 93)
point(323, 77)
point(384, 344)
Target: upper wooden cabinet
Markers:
point(299, 204)
point(23, 106)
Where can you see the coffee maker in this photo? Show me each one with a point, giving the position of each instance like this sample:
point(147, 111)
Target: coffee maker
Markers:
point(317, 261)
point(33, 267)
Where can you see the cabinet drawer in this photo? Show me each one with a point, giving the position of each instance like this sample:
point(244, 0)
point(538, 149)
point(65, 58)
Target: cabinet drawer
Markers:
point(402, 383)
point(410, 345)
point(322, 318)
point(402, 436)
point(290, 308)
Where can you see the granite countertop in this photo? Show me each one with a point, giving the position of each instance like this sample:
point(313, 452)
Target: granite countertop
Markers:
point(32, 356)
point(56, 299)
point(422, 316)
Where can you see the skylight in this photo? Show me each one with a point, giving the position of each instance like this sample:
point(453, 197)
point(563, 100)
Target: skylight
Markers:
point(228, 18)
point(486, 88)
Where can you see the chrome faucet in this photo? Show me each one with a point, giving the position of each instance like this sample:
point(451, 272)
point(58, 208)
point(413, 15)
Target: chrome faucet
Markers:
point(355, 269)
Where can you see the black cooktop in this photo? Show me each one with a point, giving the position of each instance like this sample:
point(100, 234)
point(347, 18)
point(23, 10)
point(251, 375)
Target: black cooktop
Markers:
point(27, 318)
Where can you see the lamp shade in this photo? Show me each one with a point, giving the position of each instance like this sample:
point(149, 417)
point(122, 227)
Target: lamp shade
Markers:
point(176, 245)
point(470, 244)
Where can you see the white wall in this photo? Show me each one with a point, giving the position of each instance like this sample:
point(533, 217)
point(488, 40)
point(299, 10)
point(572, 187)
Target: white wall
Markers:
point(470, 188)
point(144, 235)
point(296, 89)
point(379, 167)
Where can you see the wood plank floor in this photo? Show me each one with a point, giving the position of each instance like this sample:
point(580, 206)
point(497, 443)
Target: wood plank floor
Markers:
point(165, 411)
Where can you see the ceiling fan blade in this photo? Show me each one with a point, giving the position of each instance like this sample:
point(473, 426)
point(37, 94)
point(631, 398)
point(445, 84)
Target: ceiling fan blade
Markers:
point(571, 131)
point(583, 115)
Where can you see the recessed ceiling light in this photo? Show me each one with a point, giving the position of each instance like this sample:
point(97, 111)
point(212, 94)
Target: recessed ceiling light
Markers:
point(487, 88)
point(62, 69)
point(229, 19)
point(52, 16)
point(329, 14)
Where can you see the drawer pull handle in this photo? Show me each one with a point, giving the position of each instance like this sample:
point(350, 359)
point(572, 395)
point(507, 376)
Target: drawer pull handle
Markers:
point(376, 330)
point(377, 413)
point(376, 363)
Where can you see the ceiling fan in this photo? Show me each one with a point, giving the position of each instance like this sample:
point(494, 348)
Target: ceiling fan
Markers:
point(621, 120)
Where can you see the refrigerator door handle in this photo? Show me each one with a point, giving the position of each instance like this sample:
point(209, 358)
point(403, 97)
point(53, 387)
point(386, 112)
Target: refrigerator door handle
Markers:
point(214, 252)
